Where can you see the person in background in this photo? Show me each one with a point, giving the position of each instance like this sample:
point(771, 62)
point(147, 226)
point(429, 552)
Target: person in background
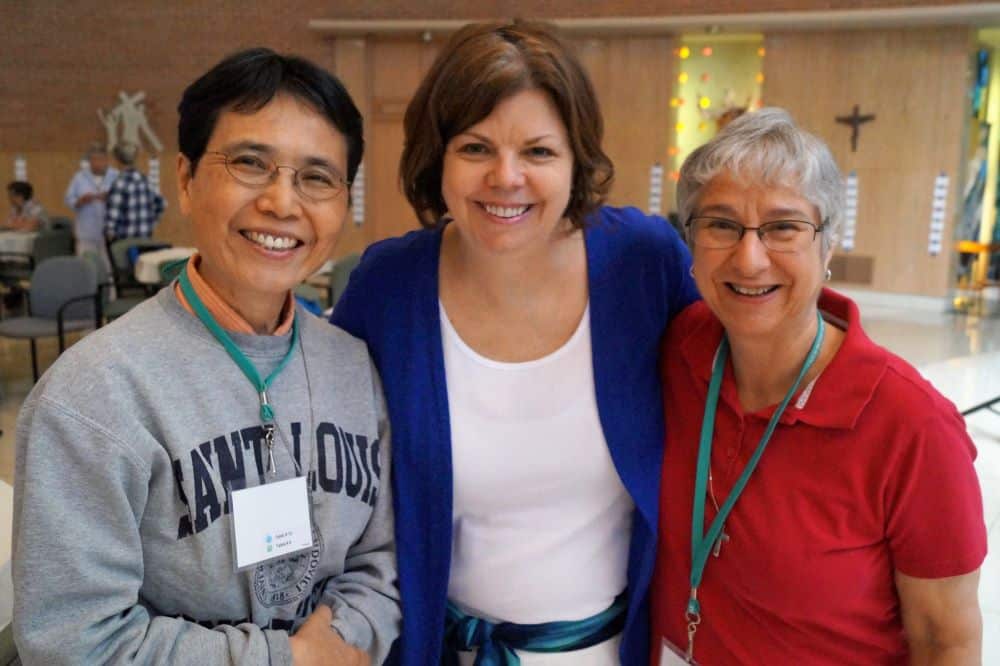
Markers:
point(824, 508)
point(518, 336)
point(133, 207)
point(86, 195)
point(26, 214)
point(219, 414)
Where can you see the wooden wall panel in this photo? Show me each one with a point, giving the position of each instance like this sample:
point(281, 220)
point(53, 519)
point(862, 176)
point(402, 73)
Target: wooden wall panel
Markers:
point(173, 227)
point(396, 68)
point(633, 79)
point(915, 82)
point(350, 64)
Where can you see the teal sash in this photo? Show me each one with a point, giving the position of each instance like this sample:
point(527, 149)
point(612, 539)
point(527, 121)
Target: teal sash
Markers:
point(495, 642)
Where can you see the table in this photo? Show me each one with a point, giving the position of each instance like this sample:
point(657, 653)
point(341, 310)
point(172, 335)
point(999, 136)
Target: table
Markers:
point(17, 241)
point(147, 266)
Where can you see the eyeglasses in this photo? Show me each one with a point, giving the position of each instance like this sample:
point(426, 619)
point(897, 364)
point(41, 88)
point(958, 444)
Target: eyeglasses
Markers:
point(718, 233)
point(314, 182)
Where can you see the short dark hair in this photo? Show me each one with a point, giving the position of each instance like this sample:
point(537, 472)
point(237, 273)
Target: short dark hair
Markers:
point(96, 148)
point(247, 81)
point(126, 153)
point(482, 65)
point(22, 189)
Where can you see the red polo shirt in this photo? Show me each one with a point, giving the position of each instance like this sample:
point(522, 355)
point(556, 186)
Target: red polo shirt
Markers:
point(873, 473)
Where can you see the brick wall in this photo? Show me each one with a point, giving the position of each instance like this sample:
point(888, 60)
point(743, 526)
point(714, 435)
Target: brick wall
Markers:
point(60, 61)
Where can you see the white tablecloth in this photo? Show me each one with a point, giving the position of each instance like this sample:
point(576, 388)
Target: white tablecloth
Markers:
point(17, 241)
point(147, 266)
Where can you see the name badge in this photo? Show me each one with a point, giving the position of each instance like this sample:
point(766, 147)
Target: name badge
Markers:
point(270, 521)
point(670, 655)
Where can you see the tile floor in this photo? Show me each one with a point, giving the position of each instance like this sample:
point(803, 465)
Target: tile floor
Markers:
point(960, 354)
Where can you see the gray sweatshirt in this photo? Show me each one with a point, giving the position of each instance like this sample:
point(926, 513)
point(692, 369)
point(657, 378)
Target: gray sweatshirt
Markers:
point(122, 537)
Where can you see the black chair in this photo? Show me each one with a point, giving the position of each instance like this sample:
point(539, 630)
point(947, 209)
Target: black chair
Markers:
point(59, 222)
point(18, 266)
point(111, 309)
point(63, 297)
point(326, 296)
point(8, 651)
point(122, 269)
point(340, 275)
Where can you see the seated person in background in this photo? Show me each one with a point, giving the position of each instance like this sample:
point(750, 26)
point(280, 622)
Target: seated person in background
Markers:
point(26, 214)
point(857, 535)
point(133, 207)
point(214, 393)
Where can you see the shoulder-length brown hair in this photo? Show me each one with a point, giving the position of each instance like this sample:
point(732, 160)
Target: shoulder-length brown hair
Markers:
point(480, 66)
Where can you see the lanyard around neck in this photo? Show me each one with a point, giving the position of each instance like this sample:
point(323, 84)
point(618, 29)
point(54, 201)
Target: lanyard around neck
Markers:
point(244, 363)
point(702, 542)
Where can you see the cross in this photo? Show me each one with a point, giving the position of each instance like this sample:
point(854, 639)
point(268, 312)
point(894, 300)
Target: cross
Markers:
point(717, 549)
point(855, 120)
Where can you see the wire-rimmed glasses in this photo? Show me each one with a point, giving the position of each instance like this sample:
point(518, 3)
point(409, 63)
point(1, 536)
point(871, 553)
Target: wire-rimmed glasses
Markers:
point(314, 182)
point(719, 233)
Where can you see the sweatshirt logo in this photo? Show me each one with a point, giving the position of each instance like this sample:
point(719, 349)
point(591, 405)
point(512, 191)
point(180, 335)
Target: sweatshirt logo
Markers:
point(286, 580)
point(346, 464)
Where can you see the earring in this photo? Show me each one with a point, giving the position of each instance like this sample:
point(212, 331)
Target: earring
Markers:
point(829, 275)
point(691, 272)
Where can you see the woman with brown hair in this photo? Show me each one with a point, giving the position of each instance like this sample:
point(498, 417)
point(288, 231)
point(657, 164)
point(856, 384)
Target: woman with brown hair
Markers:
point(517, 336)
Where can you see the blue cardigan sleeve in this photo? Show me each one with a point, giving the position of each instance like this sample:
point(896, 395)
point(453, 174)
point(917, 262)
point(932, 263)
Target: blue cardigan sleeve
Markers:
point(639, 272)
point(391, 303)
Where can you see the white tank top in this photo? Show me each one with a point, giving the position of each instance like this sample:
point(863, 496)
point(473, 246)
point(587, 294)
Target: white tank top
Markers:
point(541, 521)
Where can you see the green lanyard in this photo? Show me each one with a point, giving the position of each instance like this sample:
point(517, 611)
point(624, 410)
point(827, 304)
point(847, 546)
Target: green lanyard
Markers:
point(702, 542)
point(266, 411)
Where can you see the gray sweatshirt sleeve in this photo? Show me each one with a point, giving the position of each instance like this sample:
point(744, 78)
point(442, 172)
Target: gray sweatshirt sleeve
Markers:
point(79, 494)
point(365, 599)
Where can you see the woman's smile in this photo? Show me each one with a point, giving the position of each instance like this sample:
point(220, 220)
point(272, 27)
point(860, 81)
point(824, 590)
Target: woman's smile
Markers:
point(278, 243)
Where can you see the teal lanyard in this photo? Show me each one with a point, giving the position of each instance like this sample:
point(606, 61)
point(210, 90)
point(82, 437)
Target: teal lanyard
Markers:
point(702, 542)
point(248, 368)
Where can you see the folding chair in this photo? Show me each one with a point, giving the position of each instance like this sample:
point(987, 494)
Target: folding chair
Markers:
point(63, 297)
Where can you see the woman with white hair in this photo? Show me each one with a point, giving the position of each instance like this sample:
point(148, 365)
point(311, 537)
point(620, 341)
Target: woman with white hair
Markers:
point(834, 513)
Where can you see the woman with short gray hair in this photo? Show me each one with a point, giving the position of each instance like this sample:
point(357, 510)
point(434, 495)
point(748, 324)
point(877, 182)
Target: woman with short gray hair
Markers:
point(769, 145)
point(835, 515)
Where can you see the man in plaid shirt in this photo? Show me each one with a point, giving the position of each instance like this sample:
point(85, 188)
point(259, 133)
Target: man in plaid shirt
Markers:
point(133, 207)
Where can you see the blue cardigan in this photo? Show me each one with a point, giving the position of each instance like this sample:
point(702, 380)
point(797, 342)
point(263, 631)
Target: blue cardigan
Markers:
point(637, 268)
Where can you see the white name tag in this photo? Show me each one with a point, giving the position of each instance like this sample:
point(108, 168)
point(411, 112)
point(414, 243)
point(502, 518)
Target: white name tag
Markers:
point(670, 655)
point(270, 521)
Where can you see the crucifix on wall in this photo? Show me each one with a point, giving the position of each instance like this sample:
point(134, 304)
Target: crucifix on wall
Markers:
point(855, 120)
